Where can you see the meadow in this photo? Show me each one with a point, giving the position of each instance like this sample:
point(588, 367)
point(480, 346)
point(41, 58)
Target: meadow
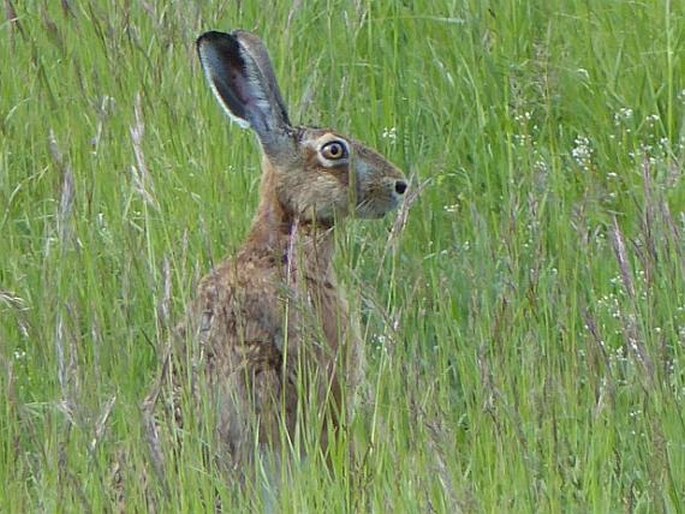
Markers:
point(524, 312)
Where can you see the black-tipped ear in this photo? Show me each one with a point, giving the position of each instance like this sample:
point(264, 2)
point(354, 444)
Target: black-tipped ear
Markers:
point(256, 49)
point(222, 63)
point(241, 76)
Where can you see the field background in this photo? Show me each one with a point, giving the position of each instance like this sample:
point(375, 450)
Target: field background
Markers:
point(525, 327)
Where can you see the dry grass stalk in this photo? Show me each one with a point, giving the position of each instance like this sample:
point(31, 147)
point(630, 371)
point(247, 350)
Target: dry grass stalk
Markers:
point(622, 257)
point(164, 306)
point(13, 19)
point(150, 425)
point(67, 9)
point(68, 191)
point(140, 173)
point(61, 364)
point(437, 435)
point(101, 424)
point(13, 301)
point(603, 386)
point(630, 328)
point(412, 196)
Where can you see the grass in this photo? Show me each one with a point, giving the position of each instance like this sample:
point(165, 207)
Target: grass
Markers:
point(525, 329)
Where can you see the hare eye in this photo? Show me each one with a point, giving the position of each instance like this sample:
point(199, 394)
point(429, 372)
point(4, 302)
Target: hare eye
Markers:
point(334, 150)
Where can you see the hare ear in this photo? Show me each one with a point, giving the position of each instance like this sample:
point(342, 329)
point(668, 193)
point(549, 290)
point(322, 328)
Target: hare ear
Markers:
point(241, 76)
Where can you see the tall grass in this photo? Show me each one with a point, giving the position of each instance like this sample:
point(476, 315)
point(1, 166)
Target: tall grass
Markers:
point(525, 327)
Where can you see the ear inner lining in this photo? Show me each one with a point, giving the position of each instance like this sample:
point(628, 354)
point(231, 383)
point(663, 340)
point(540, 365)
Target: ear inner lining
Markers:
point(243, 83)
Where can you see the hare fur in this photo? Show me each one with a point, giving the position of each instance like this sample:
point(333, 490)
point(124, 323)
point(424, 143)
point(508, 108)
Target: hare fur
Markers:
point(271, 332)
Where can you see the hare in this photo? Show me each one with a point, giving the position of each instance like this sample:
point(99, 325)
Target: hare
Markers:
point(272, 334)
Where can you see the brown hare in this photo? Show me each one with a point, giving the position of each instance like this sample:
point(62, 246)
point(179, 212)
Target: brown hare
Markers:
point(269, 330)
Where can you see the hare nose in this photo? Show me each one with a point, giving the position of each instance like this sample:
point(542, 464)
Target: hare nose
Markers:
point(400, 187)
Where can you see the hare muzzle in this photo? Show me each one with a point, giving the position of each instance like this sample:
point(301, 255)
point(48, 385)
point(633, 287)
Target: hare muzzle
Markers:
point(380, 185)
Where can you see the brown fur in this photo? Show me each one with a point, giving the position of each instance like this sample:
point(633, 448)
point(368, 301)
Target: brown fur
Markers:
point(269, 329)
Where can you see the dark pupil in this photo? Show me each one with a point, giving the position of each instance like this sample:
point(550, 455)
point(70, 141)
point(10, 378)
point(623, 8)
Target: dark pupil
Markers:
point(334, 150)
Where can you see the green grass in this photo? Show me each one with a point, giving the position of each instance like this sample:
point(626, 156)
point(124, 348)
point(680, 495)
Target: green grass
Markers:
point(525, 330)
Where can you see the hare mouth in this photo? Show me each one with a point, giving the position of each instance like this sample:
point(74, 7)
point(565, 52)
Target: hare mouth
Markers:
point(372, 209)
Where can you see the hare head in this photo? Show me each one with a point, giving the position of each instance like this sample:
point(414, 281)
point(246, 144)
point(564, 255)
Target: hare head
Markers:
point(314, 175)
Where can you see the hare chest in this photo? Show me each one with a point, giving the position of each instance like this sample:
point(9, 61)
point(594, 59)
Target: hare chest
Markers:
point(274, 347)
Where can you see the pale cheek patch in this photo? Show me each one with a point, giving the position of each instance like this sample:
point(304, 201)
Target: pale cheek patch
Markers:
point(323, 196)
point(362, 172)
